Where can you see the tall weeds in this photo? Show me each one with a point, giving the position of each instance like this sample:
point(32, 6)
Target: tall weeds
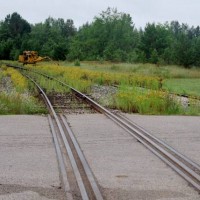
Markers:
point(142, 101)
point(15, 97)
point(16, 103)
point(139, 92)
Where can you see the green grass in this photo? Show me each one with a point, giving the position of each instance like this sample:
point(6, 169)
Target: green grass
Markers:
point(184, 86)
point(129, 77)
point(171, 71)
point(15, 103)
point(49, 85)
point(149, 102)
point(137, 100)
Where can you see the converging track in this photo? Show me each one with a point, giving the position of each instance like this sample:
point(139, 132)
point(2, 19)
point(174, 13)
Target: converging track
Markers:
point(88, 188)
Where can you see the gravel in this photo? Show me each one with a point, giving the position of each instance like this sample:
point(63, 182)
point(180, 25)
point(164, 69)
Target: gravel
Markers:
point(6, 85)
point(103, 94)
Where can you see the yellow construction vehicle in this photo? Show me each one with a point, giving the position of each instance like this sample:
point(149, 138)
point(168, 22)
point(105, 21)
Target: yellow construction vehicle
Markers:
point(31, 57)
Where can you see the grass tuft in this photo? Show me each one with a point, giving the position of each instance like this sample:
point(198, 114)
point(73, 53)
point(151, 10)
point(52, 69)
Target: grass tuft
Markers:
point(16, 103)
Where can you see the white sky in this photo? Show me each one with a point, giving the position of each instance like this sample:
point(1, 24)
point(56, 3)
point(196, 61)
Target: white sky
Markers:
point(82, 11)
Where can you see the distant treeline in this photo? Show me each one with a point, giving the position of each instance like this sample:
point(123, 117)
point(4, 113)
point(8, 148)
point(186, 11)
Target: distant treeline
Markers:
point(111, 36)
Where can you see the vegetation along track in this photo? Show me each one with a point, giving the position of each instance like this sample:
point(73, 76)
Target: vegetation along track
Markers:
point(189, 170)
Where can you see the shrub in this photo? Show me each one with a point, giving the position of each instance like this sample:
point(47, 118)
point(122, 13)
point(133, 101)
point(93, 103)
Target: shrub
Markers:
point(77, 63)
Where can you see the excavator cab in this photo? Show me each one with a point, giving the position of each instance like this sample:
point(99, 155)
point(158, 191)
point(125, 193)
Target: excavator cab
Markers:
point(30, 57)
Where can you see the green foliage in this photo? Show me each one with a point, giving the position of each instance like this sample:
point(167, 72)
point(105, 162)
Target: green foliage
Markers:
point(51, 38)
point(12, 32)
point(154, 40)
point(110, 37)
point(154, 57)
point(184, 50)
point(77, 62)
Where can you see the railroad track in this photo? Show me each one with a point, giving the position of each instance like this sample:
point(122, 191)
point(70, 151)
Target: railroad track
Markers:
point(69, 103)
point(85, 187)
point(185, 167)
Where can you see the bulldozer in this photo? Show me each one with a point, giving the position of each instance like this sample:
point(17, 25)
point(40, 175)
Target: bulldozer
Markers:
point(31, 57)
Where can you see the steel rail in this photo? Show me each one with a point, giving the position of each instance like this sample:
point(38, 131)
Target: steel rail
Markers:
point(85, 164)
point(80, 183)
point(179, 166)
point(174, 164)
point(144, 140)
point(134, 125)
point(60, 160)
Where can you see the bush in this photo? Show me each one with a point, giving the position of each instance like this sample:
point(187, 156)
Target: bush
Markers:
point(77, 63)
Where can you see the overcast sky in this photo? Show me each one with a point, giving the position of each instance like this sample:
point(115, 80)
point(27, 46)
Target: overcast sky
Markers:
point(82, 11)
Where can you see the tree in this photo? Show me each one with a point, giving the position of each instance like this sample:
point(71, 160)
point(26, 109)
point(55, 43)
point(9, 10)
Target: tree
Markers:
point(12, 32)
point(154, 57)
point(197, 51)
point(184, 50)
point(51, 38)
point(154, 40)
point(15, 25)
point(110, 36)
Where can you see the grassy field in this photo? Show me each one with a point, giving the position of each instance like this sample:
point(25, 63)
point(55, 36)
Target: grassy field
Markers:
point(185, 86)
point(171, 71)
point(175, 79)
point(157, 83)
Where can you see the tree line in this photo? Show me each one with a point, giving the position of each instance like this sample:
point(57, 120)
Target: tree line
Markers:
point(111, 36)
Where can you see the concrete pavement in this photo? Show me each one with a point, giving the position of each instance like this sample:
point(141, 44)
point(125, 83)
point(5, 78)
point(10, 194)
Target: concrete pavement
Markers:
point(28, 163)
